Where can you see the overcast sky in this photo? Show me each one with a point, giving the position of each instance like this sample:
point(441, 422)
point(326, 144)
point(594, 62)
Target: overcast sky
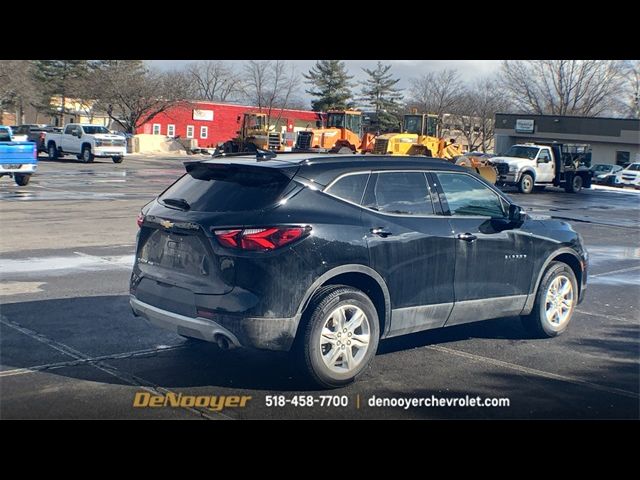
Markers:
point(403, 69)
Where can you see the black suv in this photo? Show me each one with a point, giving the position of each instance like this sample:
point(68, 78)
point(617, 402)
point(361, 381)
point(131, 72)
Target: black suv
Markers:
point(326, 255)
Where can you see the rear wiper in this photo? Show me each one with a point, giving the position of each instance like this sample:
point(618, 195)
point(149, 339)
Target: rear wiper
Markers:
point(180, 203)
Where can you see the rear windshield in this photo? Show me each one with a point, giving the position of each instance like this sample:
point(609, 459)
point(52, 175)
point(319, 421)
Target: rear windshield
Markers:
point(235, 192)
point(5, 135)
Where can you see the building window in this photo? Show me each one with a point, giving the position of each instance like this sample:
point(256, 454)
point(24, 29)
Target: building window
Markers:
point(171, 130)
point(189, 131)
point(156, 129)
point(622, 158)
point(204, 132)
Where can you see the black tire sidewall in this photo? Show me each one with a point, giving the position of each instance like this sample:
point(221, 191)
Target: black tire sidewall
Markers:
point(117, 159)
point(576, 184)
point(22, 180)
point(312, 352)
point(554, 270)
point(522, 180)
point(86, 159)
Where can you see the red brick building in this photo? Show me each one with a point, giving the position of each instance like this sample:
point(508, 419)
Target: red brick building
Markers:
point(211, 123)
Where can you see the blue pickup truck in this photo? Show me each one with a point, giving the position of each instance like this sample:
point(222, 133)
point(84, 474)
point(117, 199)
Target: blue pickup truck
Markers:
point(17, 159)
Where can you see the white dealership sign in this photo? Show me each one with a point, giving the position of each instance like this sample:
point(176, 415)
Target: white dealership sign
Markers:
point(524, 125)
point(203, 115)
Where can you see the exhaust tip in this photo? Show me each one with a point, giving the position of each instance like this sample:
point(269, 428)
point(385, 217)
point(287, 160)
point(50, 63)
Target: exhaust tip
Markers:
point(222, 342)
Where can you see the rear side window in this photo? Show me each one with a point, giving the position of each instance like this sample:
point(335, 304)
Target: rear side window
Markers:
point(235, 192)
point(350, 187)
point(402, 193)
point(467, 196)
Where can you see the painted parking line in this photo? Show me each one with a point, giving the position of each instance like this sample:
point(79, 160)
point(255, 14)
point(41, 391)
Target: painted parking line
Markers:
point(74, 363)
point(133, 380)
point(609, 317)
point(535, 372)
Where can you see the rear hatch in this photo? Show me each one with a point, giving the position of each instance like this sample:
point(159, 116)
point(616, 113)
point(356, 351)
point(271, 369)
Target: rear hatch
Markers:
point(177, 253)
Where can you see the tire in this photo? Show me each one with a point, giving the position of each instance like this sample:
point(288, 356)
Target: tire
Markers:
point(323, 313)
point(525, 185)
point(117, 159)
point(52, 151)
point(543, 323)
point(22, 180)
point(575, 185)
point(87, 156)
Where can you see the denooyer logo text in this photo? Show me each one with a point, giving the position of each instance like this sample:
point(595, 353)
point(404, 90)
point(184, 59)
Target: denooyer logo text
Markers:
point(178, 400)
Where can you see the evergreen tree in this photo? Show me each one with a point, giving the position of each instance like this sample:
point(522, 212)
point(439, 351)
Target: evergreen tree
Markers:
point(381, 95)
point(59, 78)
point(331, 85)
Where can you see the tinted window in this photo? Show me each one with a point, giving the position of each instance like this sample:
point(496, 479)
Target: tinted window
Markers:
point(402, 193)
point(92, 130)
point(634, 166)
point(466, 195)
point(239, 191)
point(350, 187)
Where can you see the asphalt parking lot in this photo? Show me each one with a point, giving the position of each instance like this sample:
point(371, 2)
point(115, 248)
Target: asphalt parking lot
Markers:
point(70, 347)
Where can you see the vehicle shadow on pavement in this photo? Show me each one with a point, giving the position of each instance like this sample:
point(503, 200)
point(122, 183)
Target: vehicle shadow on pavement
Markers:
point(508, 328)
point(102, 331)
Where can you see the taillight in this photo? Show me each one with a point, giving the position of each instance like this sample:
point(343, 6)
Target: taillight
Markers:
point(260, 239)
point(140, 219)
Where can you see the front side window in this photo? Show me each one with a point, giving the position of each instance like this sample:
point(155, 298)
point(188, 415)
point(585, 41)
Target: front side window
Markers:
point(544, 156)
point(402, 193)
point(335, 120)
point(467, 196)
point(350, 187)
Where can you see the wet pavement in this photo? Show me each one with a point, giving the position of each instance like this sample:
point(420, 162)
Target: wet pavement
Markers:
point(70, 347)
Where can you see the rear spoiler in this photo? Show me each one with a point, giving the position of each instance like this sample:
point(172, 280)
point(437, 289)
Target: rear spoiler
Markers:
point(240, 172)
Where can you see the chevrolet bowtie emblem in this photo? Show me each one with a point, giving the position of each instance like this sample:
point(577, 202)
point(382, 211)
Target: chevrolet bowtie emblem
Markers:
point(167, 224)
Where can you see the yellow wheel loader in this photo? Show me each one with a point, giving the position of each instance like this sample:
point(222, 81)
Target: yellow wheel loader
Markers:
point(419, 137)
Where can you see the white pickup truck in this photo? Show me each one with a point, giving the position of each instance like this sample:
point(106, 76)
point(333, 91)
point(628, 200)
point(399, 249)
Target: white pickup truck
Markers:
point(86, 142)
point(531, 166)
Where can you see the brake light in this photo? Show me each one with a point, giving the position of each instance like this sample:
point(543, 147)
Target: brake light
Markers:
point(140, 219)
point(259, 239)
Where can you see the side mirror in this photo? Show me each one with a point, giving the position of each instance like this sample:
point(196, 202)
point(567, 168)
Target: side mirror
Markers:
point(516, 215)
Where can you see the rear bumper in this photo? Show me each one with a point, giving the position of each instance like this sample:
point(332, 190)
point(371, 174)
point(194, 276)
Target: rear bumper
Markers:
point(26, 168)
point(255, 332)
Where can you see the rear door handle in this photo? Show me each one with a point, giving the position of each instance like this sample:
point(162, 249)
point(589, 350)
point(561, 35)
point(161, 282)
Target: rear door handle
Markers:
point(381, 232)
point(467, 237)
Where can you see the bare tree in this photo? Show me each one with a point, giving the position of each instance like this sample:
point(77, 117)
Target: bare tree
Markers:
point(477, 109)
point(628, 105)
point(272, 86)
point(17, 89)
point(563, 87)
point(438, 93)
point(215, 81)
point(133, 95)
